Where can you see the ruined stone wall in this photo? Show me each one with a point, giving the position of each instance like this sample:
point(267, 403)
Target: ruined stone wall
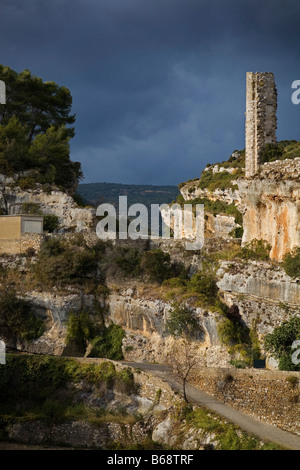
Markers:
point(281, 169)
point(31, 240)
point(261, 122)
point(21, 245)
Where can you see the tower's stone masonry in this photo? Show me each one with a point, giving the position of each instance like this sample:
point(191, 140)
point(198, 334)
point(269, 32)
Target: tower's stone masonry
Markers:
point(261, 121)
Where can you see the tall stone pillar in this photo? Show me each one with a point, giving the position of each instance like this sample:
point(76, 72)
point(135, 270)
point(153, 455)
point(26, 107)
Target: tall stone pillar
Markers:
point(261, 121)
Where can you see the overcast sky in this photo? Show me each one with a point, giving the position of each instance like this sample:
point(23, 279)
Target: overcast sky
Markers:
point(158, 86)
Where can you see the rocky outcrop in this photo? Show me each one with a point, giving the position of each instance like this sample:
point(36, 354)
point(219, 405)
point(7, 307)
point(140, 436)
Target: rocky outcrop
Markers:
point(191, 191)
point(215, 226)
point(144, 320)
point(271, 211)
point(54, 309)
point(260, 279)
point(264, 295)
point(71, 216)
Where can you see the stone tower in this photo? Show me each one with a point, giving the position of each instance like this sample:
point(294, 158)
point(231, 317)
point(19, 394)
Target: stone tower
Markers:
point(261, 121)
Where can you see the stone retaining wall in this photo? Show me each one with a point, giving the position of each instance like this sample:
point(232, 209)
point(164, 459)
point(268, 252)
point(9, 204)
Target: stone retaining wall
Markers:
point(270, 396)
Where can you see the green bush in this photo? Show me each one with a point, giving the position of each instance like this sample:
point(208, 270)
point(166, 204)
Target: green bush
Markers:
point(242, 342)
point(80, 330)
point(31, 208)
point(201, 287)
point(109, 343)
point(220, 180)
point(256, 249)
point(204, 283)
point(157, 265)
point(279, 343)
point(233, 333)
point(51, 222)
point(106, 342)
point(237, 232)
point(291, 263)
point(182, 322)
point(65, 263)
point(129, 260)
point(285, 149)
point(17, 318)
point(53, 411)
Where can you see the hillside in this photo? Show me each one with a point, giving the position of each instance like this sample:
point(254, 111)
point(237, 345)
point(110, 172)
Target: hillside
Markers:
point(97, 193)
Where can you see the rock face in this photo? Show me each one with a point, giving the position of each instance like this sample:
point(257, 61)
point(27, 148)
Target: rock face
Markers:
point(71, 216)
point(190, 191)
point(271, 211)
point(147, 340)
point(213, 226)
point(259, 280)
point(265, 297)
point(54, 308)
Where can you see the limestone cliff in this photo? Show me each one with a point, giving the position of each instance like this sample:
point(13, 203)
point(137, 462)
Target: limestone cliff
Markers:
point(270, 204)
point(52, 201)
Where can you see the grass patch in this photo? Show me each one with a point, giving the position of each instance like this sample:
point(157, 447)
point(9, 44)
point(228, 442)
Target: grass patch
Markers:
point(227, 436)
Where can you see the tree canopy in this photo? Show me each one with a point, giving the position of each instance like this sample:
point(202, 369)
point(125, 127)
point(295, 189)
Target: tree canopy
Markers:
point(37, 104)
point(35, 131)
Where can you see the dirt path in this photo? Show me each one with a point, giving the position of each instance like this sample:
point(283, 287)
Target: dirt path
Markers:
point(198, 397)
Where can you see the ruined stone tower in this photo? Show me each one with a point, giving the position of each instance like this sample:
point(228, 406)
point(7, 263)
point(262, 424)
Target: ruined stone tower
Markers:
point(261, 121)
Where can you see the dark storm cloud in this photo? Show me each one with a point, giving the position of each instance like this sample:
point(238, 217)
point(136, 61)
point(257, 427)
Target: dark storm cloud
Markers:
point(158, 85)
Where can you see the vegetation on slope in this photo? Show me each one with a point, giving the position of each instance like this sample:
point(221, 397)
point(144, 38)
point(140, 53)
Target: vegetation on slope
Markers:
point(44, 388)
point(284, 149)
point(49, 390)
point(18, 320)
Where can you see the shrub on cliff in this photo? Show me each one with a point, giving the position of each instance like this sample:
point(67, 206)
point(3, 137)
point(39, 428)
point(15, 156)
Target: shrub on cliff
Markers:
point(284, 149)
point(182, 322)
point(65, 263)
point(80, 329)
point(291, 263)
point(51, 222)
point(279, 343)
point(109, 343)
point(204, 283)
point(105, 341)
point(18, 320)
point(129, 260)
point(157, 265)
point(256, 249)
point(219, 180)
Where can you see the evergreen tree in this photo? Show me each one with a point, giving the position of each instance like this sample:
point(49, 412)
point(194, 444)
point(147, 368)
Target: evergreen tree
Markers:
point(35, 131)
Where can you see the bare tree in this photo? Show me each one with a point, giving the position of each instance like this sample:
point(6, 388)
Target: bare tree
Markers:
point(183, 361)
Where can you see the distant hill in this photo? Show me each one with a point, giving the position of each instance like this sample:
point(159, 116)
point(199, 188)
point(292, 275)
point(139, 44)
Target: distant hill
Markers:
point(98, 193)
